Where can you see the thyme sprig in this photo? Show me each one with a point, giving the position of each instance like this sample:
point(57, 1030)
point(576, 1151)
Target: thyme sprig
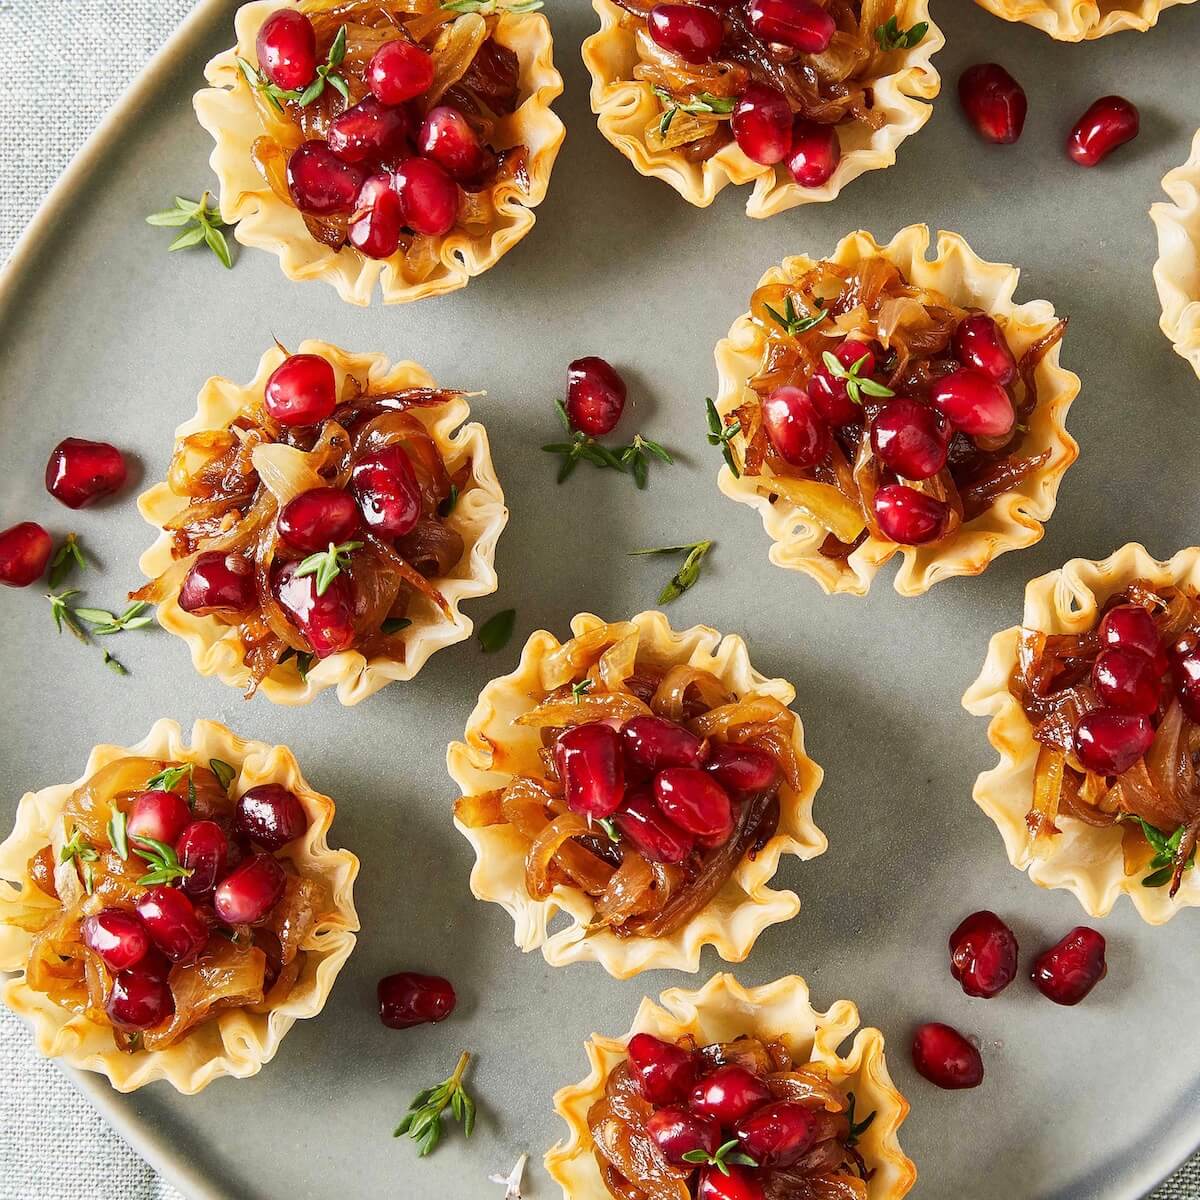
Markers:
point(687, 575)
point(890, 36)
point(84, 854)
point(105, 623)
point(856, 385)
point(1166, 850)
point(634, 456)
point(327, 73)
point(167, 780)
point(66, 558)
point(724, 1155)
point(791, 322)
point(720, 434)
point(486, 8)
point(327, 565)
point(857, 1128)
point(580, 448)
point(581, 689)
point(164, 862)
point(205, 226)
point(424, 1120)
point(705, 103)
point(63, 613)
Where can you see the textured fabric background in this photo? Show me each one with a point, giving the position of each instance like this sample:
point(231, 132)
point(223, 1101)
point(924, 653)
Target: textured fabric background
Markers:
point(52, 1145)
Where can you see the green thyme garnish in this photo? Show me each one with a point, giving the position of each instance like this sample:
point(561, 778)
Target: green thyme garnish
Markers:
point(327, 565)
point(486, 8)
point(609, 827)
point(581, 689)
point(104, 623)
point(114, 664)
point(168, 779)
point(164, 862)
point(857, 1128)
point(701, 104)
point(890, 36)
point(634, 457)
point(326, 74)
point(725, 1154)
point(66, 558)
point(580, 448)
point(447, 506)
point(1162, 865)
point(204, 226)
point(855, 383)
point(424, 1123)
point(224, 771)
point(63, 613)
point(84, 855)
point(720, 434)
point(118, 833)
point(791, 322)
point(687, 575)
point(496, 630)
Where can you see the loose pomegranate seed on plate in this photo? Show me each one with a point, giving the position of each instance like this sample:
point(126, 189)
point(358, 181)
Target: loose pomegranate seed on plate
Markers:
point(911, 438)
point(218, 582)
point(162, 816)
point(777, 1135)
point(1127, 680)
point(407, 999)
point(651, 833)
point(399, 71)
point(446, 137)
point(1110, 742)
point(138, 1001)
point(945, 1057)
point(174, 925)
point(796, 429)
point(317, 517)
point(974, 402)
point(983, 955)
point(815, 153)
point(369, 132)
point(729, 1183)
point(909, 517)
point(801, 24)
point(762, 124)
point(695, 801)
point(693, 32)
point(327, 621)
point(664, 1072)
point(728, 1094)
point(378, 219)
point(287, 49)
point(302, 390)
point(994, 102)
point(1069, 970)
point(654, 743)
point(742, 768)
point(117, 936)
point(203, 849)
point(592, 769)
point(24, 552)
point(428, 196)
point(596, 396)
point(270, 816)
point(321, 183)
point(247, 895)
point(385, 486)
point(979, 343)
point(676, 1132)
point(1110, 122)
point(81, 472)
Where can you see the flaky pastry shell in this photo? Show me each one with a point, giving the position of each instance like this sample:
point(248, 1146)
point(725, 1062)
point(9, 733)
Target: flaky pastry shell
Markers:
point(1014, 520)
point(236, 1041)
point(625, 106)
point(1082, 858)
point(495, 749)
point(1081, 20)
point(721, 1011)
point(1177, 271)
point(479, 517)
point(227, 111)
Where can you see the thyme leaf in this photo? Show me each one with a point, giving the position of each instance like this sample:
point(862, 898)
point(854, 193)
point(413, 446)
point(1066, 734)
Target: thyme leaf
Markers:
point(164, 862)
point(725, 1154)
point(688, 574)
point(118, 834)
point(495, 632)
point(66, 558)
point(857, 1128)
point(790, 320)
point(424, 1120)
point(890, 36)
point(720, 434)
point(327, 565)
point(634, 456)
point(855, 383)
point(204, 222)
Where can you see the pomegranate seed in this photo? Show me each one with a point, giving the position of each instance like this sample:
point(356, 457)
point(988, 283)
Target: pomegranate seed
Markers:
point(407, 999)
point(815, 153)
point(778, 1135)
point(369, 132)
point(945, 1057)
point(909, 517)
point(742, 768)
point(428, 196)
point(655, 743)
point(829, 393)
point(677, 1132)
point(855, 354)
point(302, 390)
point(731, 1183)
point(664, 1072)
point(389, 497)
point(447, 138)
point(287, 49)
point(695, 801)
point(378, 219)
point(983, 955)
point(805, 26)
point(994, 102)
point(1110, 122)
point(762, 124)
point(326, 621)
point(911, 438)
point(728, 1094)
point(595, 396)
point(117, 936)
point(652, 835)
point(591, 769)
point(974, 403)
point(80, 472)
point(1071, 968)
point(138, 1001)
point(247, 895)
point(399, 71)
point(162, 816)
point(979, 343)
point(1131, 627)
point(24, 553)
point(1126, 679)
point(172, 922)
point(317, 517)
point(1110, 742)
point(1187, 677)
point(204, 850)
point(689, 30)
point(797, 430)
point(321, 183)
point(270, 816)
point(218, 582)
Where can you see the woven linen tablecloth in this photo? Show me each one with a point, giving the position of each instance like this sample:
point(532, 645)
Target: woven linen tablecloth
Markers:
point(64, 64)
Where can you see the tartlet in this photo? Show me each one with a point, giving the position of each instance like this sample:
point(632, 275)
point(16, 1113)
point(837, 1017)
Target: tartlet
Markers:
point(694, 877)
point(961, 399)
point(1177, 271)
point(885, 102)
point(495, 71)
point(1089, 713)
point(777, 1023)
point(220, 973)
point(419, 508)
point(1081, 20)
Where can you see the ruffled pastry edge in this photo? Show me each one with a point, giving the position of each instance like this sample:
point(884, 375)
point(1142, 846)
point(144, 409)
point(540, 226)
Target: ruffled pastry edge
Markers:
point(1083, 859)
point(1177, 270)
point(624, 107)
point(742, 910)
point(1081, 20)
point(227, 111)
point(721, 1011)
point(236, 1042)
point(479, 517)
point(1014, 520)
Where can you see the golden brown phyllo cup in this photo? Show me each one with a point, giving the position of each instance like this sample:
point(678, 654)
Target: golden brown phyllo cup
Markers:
point(821, 521)
point(1067, 826)
point(408, 594)
point(253, 140)
point(875, 97)
point(780, 1019)
point(1082, 20)
point(223, 1023)
point(1177, 271)
point(529, 856)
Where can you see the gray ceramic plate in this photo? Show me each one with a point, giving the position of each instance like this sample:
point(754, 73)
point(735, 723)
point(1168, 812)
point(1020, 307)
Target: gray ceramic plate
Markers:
point(104, 334)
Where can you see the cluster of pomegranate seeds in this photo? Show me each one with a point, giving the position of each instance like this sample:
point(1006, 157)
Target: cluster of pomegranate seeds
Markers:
point(408, 998)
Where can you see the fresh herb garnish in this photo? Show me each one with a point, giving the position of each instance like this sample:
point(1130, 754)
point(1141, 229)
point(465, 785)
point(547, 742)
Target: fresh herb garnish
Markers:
point(327, 565)
point(606, 823)
point(326, 74)
point(223, 771)
point(790, 320)
point(634, 457)
point(423, 1122)
point(206, 225)
point(104, 623)
point(890, 36)
point(164, 862)
point(496, 630)
point(304, 660)
point(687, 575)
point(580, 448)
point(84, 853)
point(581, 689)
point(486, 8)
point(1162, 865)
point(447, 506)
point(66, 558)
point(118, 833)
point(167, 780)
point(704, 102)
point(725, 1154)
point(857, 1128)
point(855, 383)
point(395, 624)
point(114, 664)
point(720, 434)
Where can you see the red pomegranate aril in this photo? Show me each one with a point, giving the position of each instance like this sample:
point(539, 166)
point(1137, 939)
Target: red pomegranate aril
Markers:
point(117, 936)
point(1187, 682)
point(730, 1183)
point(1131, 627)
point(1127, 680)
point(203, 849)
point(448, 139)
point(677, 1132)
point(651, 833)
point(428, 196)
point(1110, 742)
point(664, 1072)
point(302, 390)
point(369, 132)
point(693, 32)
point(911, 438)
point(270, 816)
point(762, 124)
point(975, 403)
point(399, 71)
point(654, 743)
point(320, 182)
point(983, 955)
point(595, 396)
point(247, 895)
point(162, 816)
point(407, 999)
point(979, 343)
point(1069, 970)
point(777, 1135)
point(287, 49)
point(815, 153)
point(378, 219)
point(317, 517)
point(591, 768)
point(945, 1057)
point(728, 1094)
point(1110, 122)
point(829, 393)
point(389, 497)
point(994, 102)
point(695, 801)
point(172, 922)
point(909, 517)
point(801, 24)
point(742, 768)
point(138, 1001)
point(218, 582)
point(327, 621)
point(799, 433)
point(80, 472)
point(24, 552)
